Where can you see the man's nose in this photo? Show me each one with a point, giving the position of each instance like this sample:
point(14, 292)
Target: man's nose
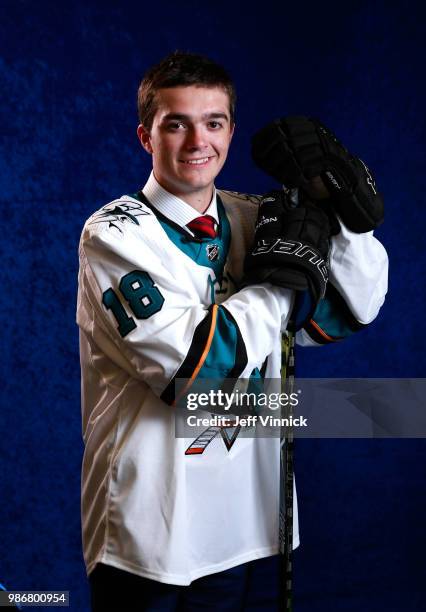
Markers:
point(196, 138)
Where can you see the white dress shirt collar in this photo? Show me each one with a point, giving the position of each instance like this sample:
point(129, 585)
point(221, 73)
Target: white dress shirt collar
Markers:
point(175, 208)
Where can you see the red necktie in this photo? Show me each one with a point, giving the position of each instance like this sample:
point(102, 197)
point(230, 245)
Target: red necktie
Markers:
point(203, 227)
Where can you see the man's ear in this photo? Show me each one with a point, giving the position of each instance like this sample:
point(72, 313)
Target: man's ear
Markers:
point(144, 138)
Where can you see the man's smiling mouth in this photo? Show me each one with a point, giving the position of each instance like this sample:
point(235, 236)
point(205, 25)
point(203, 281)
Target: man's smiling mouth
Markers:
point(196, 162)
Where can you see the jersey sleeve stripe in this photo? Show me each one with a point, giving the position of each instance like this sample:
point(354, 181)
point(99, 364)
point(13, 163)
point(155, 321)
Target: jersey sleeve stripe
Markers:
point(324, 336)
point(217, 352)
point(193, 356)
point(332, 320)
point(203, 355)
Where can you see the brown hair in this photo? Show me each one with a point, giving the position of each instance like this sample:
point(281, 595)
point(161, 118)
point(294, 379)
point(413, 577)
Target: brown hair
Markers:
point(181, 69)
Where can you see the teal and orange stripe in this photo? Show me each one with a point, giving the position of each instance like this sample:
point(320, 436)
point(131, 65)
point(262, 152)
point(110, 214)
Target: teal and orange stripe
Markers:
point(203, 356)
point(332, 320)
point(217, 352)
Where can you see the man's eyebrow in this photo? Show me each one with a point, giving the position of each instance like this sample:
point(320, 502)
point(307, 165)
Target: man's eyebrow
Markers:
point(183, 117)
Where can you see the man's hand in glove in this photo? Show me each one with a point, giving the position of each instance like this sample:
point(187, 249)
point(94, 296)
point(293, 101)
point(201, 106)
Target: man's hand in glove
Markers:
point(291, 247)
point(302, 152)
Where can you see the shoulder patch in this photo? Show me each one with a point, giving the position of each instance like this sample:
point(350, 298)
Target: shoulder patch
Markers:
point(119, 212)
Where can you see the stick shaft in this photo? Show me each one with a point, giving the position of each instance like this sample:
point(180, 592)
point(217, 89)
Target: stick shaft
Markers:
point(287, 472)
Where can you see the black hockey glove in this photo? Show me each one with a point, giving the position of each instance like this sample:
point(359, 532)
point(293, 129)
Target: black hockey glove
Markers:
point(294, 150)
point(290, 249)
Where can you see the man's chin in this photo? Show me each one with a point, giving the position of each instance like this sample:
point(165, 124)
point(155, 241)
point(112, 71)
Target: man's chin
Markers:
point(196, 184)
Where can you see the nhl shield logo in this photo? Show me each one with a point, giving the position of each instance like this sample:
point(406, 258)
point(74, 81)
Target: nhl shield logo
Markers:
point(212, 251)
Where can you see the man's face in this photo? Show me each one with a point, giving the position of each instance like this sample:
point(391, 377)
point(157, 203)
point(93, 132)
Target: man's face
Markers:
point(189, 138)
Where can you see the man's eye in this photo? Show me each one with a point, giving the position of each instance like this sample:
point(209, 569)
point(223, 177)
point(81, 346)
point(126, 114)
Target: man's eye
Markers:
point(215, 124)
point(175, 125)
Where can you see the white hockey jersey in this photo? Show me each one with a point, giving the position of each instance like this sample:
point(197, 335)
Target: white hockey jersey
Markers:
point(155, 305)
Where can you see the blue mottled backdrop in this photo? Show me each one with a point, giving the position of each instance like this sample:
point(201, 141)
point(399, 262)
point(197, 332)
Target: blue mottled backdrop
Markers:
point(68, 78)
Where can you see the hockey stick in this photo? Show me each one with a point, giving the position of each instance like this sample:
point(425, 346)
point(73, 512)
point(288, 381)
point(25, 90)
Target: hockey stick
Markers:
point(287, 471)
point(287, 457)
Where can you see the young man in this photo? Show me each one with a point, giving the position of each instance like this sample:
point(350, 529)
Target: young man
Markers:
point(175, 523)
